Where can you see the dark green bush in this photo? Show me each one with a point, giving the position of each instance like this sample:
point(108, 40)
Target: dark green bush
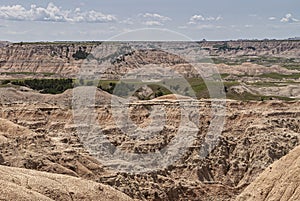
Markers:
point(51, 86)
point(80, 54)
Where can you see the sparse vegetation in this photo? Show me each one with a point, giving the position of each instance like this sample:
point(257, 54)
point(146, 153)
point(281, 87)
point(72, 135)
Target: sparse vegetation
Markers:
point(50, 86)
point(80, 54)
point(289, 63)
point(196, 87)
point(280, 76)
point(292, 66)
point(225, 47)
point(46, 74)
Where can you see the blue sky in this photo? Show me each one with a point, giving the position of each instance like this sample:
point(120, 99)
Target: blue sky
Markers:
point(102, 19)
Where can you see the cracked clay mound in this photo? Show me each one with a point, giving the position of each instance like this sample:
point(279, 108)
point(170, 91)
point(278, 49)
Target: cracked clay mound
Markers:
point(281, 181)
point(29, 185)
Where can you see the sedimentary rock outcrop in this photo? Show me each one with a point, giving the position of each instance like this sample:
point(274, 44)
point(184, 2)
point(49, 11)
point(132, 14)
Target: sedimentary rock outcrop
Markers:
point(280, 181)
point(28, 185)
point(42, 136)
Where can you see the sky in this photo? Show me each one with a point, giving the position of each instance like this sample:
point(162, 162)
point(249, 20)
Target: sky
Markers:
point(74, 20)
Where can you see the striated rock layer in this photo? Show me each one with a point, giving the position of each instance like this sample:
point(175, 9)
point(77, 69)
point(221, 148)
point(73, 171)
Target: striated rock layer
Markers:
point(280, 181)
point(29, 185)
point(38, 132)
point(65, 59)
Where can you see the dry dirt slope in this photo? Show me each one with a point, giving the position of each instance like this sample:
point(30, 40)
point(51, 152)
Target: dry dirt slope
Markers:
point(29, 185)
point(60, 58)
point(37, 132)
point(281, 181)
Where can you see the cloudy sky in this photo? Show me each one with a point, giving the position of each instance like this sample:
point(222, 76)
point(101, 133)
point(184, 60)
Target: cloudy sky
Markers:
point(102, 19)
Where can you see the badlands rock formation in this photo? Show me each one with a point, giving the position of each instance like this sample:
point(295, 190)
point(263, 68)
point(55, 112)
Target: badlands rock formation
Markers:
point(42, 132)
point(280, 181)
point(38, 132)
point(65, 59)
point(30, 185)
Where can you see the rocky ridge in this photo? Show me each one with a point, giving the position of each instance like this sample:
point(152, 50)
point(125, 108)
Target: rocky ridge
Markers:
point(39, 131)
point(255, 135)
point(65, 59)
point(30, 185)
point(280, 181)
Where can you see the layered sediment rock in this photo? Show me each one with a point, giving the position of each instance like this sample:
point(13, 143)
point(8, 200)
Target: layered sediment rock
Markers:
point(43, 136)
point(280, 181)
point(65, 59)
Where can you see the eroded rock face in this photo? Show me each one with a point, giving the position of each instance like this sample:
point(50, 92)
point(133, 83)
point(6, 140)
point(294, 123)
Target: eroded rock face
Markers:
point(55, 59)
point(265, 48)
point(38, 131)
point(21, 184)
point(65, 59)
point(280, 181)
point(43, 136)
point(1, 160)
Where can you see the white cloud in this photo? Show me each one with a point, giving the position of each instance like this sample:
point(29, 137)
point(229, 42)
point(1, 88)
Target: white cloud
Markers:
point(198, 18)
point(153, 19)
point(207, 27)
point(219, 18)
point(128, 21)
point(272, 18)
point(156, 16)
point(52, 13)
point(289, 18)
point(152, 23)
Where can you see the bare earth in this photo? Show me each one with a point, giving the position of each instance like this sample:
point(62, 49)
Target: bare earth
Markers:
point(22, 184)
point(37, 132)
point(280, 181)
point(44, 157)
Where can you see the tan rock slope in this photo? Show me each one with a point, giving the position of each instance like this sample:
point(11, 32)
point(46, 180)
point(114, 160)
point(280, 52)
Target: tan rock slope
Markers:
point(29, 185)
point(40, 131)
point(255, 135)
point(280, 181)
point(65, 59)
